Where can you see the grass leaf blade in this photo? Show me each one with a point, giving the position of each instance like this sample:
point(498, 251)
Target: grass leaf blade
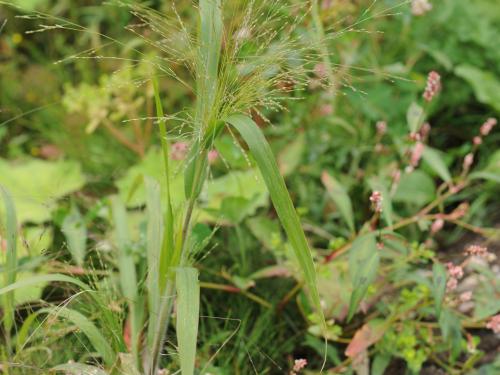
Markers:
point(266, 162)
point(188, 313)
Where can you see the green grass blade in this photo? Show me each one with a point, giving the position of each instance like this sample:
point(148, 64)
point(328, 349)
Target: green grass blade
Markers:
point(266, 162)
point(210, 40)
point(188, 314)
point(10, 236)
point(78, 369)
point(127, 271)
point(42, 279)
point(88, 328)
point(154, 247)
point(126, 266)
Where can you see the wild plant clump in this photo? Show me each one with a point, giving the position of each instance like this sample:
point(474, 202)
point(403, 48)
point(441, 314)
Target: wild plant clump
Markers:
point(241, 187)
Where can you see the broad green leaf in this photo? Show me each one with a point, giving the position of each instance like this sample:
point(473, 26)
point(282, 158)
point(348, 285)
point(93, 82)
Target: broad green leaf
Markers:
point(188, 315)
point(266, 162)
point(154, 246)
point(9, 233)
point(75, 231)
point(438, 286)
point(380, 363)
point(94, 335)
point(415, 117)
point(364, 259)
point(450, 326)
point(434, 159)
point(152, 165)
point(416, 188)
point(291, 155)
point(339, 195)
point(246, 186)
point(485, 84)
point(35, 199)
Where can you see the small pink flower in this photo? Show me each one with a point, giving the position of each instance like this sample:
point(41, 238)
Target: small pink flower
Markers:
point(477, 140)
point(326, 110)
point(420, 7)
point(213, 155)
point(381, 128)
point(376, 200)
point(451, 284)
point(416, 154)
point(433, 86)
point(299, 364)
point(494, 323)
point(468, 160)
point(437, 225)
point(179, 150)
point(488, 126)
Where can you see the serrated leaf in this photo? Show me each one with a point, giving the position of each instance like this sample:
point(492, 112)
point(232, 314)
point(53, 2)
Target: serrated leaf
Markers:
point(364, 260)
point(339, 195)
point(438, 286)
point(433, 158)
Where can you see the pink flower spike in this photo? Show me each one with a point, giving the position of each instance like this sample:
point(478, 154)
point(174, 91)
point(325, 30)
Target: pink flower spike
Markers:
point(455, 271)
point(477, 250)
point(488, 126)
point(433, 86)
point(437, 225)
point(376, 199)
point(468, 160)
point(299, 364)
point(494, 323)
point(477, 140)
point(416, 154)
point(465, 296)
